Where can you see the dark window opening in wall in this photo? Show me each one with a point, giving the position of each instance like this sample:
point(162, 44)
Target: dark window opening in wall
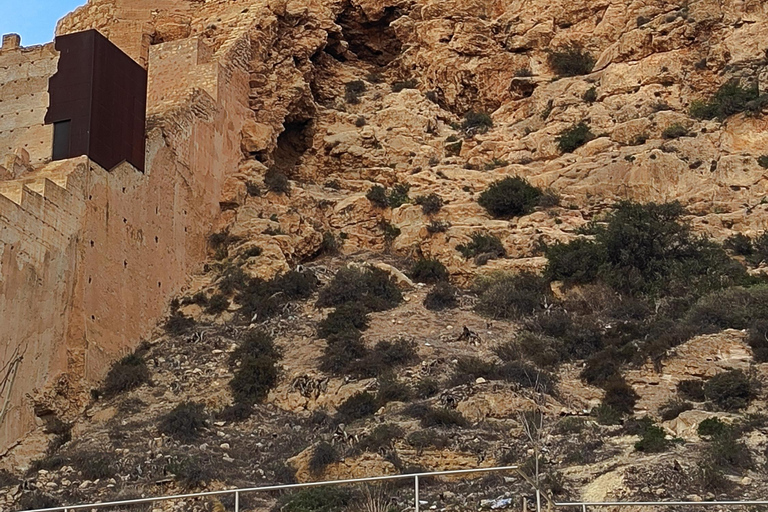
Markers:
point(62, 138)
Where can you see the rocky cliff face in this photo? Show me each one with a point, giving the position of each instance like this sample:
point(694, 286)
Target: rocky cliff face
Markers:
point(591, 101)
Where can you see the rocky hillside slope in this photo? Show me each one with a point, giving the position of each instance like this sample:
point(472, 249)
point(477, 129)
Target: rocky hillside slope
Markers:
point(375, 304)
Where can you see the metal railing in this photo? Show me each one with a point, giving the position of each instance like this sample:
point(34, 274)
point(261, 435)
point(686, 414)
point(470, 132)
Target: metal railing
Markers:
point(584, 505)
point(238, 492)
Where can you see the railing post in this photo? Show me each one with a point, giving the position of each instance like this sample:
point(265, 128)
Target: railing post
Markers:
point(237, 501)
point(416, 488)
point(583, 507)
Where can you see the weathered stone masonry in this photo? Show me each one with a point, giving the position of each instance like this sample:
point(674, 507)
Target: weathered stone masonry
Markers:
point(90, 256)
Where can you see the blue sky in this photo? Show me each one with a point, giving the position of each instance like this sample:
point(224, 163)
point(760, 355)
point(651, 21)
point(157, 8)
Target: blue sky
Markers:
point(35, 20)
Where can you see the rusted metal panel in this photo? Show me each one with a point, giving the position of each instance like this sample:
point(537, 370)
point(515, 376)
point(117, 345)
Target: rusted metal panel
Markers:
point(103, 92)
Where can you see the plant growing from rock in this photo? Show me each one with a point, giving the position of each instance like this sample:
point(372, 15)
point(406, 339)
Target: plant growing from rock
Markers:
point(482, 247)
point(430, 204)
point(184, 422)
point(509, 197)
point(570, 60)
point(476, 122)
point(574, 137)
point(277, 182)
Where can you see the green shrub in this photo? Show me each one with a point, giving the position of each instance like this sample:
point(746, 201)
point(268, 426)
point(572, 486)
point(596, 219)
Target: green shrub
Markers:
point(576, 262)
point(691, 390)
point(570, 61)
point(672, 409)
point(510, 197)
point(711, 427)
point(619, 395)
point(762, 161)
point(427, 388)
point(512, 296)
point(184, 422)
point(381, 438)
point(601, 367)
point(437, 226)
point(674, 131)
point(322, 456)
point(757, 339)
point(235, 412)
point(574, 137)
point(128, 373)
point(277, 182)
point(405, 84)
point(441, 296)
point(33, 500)
point(731, 98)
point(726, 452)
point(590, 96)
point(372, 287)
point(258, 371)
point(429, 271)
point(317, 499)
point(653, 440)
point(392, 390)
point(377, 195)
point(342, 353)
point(606, 415)
point(353, 90)
point(390, 232)
point(476, 122)
point(398, 196)
point(430, 204)
point(482, 247)
point(731, 390)
point(330, 244)
point(646, 249)
point(358, 406)
point(263, 299)
point(218, 303)
point(349, 317)
point(740, 244)
point(436, 417)
point(191, 471)
point(252, 189)
point(384, 357)
point(428, 438)
point(8, 479)
point(178, 323)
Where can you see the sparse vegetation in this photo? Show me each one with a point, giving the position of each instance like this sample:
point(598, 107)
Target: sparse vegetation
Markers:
point(476, 122)
point(674, 131)
point(353, 90)
point(512, 296)
point(377, 195)
point(396, 197)
point(430, 204)
point(356, 407)
point(435, 417)
point(570, 61)
point(405, 84)
point(258, 369)
point(323, 456)
point(441, 296)
point(429, 271)
point(218, 303)
point(652, 440)
point(590, 96)
point(510, 197)
point(762, 161)
point(317, 499)
point(731, 98)
point(128, 373)
point(482, 247)
point(574, 137)
point(731, 390)
point(277, 182)
point(437, 226)
point(184, 422)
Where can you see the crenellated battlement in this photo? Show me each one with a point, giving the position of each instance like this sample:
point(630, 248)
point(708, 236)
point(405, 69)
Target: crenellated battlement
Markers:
point(89, 257)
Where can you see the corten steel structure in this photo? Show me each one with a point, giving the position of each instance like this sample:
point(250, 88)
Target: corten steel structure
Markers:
point(98, 102)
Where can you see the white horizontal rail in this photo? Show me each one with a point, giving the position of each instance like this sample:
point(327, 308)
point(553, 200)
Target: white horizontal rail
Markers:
point(237, 492)
point(660, 503)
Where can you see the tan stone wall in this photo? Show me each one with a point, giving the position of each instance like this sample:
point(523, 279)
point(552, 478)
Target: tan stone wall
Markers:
point(24, 100)
point(88, 265)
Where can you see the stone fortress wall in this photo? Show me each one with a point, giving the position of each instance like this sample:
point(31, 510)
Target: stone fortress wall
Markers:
point(89, 257)
point(24, 100)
